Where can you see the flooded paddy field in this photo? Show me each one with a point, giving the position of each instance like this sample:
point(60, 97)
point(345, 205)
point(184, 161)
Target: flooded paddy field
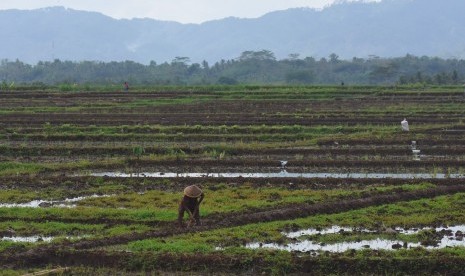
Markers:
point(297, 180)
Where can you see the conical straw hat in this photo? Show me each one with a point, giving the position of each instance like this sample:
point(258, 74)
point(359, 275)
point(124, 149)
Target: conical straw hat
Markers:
point(192, 191)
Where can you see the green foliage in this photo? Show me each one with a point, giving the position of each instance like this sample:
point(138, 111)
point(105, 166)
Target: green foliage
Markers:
point(56, 157)
point(227, 80)
point(299, 77)
point(174, 246)
point(5, 86)
point(138, 151)
point(252, 67)
point(66, 87)
point(231, 239)
point(51, 228)
point(17, 196)
point(7, 168)
point(89, 213)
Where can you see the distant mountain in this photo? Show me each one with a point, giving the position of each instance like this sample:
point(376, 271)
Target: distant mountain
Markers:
point(390, 28)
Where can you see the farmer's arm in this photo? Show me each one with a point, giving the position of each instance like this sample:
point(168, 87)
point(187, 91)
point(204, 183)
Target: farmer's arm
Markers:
point(196, 211)
point(201, 198)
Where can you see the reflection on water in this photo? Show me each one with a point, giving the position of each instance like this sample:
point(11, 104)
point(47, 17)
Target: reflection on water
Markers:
point(34, 239)
point(28, 239)
point(307, 246)
point(453, 236)
point(333, 230)
point(55, 203)
point(284, 173)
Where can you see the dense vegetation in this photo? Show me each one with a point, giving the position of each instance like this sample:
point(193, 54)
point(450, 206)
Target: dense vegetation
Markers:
point(251, 67)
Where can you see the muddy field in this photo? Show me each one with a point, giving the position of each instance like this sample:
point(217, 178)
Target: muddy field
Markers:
point(63, 209)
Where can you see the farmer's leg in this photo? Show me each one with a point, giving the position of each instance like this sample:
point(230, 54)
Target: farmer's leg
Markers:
point(197, 215)
point(180, 215)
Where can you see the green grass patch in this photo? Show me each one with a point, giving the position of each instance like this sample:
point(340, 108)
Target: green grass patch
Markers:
point(14, 168)
point(424, 212)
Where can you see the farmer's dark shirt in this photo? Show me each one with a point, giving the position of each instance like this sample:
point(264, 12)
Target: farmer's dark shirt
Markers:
point(191, 204)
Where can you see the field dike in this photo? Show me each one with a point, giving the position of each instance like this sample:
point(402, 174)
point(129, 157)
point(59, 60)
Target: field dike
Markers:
point(77, 253)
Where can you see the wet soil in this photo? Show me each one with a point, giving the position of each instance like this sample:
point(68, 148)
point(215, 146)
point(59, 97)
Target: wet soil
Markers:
point(25, 137)
point(79, 183)
point(53, 254)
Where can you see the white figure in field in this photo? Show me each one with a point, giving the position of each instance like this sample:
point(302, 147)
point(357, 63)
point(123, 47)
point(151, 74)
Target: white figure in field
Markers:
point(404, 125)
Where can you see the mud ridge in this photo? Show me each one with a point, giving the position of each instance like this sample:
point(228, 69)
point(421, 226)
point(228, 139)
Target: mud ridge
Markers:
point(219, 262)
point(296, 211)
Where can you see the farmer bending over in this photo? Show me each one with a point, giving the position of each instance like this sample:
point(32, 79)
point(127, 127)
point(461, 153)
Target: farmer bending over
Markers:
point(190, 203)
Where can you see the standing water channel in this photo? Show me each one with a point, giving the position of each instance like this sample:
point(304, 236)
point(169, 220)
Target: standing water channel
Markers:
point(451, 236)
point(68, 202)
point(285, 174)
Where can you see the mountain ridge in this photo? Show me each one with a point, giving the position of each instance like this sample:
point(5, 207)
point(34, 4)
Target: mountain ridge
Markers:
point(390, 28)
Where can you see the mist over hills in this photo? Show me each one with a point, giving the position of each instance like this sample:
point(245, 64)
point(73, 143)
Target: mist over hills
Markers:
point(390, 28)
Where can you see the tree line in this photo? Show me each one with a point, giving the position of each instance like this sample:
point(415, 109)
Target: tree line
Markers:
point(251, 67)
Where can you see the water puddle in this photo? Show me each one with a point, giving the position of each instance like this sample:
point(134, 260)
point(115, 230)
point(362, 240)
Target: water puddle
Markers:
point(285, 174)
point(68, 202)
point(32, 239)
point(333, 230)
point(309, 246)
point(35, 239)
point(452, 236)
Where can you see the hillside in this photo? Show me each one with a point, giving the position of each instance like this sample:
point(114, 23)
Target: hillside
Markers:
point(388, 29)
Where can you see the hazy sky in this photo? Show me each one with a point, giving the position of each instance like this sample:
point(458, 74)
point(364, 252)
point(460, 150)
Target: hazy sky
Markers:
point(184, 11)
